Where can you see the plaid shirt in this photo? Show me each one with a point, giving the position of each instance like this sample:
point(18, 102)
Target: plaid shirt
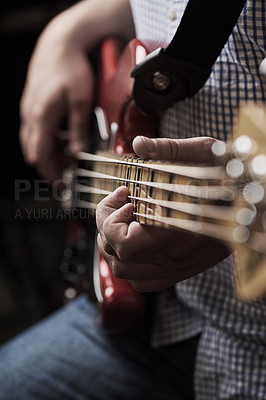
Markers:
point(231, 361)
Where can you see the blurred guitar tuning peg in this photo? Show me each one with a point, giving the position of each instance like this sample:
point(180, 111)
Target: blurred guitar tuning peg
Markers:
point(244, 147)
point(219, 149)
point(258, 167)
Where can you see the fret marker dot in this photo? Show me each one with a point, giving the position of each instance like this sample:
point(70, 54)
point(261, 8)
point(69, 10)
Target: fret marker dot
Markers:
point(235, 168)
point(245, 216)
point(253, 192)
point(241, 234)
point(219, 148)
point(258, 166)
point(243, 145)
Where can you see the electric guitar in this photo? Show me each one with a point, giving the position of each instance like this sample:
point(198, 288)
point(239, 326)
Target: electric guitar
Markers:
point(225, 200)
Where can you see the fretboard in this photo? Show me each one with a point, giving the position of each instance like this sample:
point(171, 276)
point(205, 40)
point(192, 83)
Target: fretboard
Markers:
point(226, 202)
point(198, 199)
point(169, 195)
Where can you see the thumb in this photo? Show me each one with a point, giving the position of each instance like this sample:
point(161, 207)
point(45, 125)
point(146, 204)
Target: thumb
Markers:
point(196, 150)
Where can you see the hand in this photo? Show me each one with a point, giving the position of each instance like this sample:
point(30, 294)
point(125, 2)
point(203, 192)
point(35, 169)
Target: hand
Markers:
point(153, 258)
point(60, 84)
point(60, 81)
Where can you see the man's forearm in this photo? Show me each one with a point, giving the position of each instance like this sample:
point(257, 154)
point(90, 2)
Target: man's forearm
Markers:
point(90, 21)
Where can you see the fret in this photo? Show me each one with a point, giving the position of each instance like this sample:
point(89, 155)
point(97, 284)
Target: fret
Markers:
point(138, 185)
point(169, 198)
point(160, 194)
point(125, 168)
point(131, 176)
point(134, 182)
point(148, 178)
point(143, 193)
point(117, 172)
point(122, 173)
point(128, 172)
point(151, 180)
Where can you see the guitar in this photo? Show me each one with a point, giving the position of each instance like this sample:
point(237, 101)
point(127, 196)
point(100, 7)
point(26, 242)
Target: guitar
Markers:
point(115, 122)
point(225, 201)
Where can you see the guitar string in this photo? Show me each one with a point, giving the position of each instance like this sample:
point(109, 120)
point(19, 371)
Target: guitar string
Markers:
point(190, 171)
point(198, 210)
point(217, 192)
point(256, 241)
point(203, 228)
point(89, 189)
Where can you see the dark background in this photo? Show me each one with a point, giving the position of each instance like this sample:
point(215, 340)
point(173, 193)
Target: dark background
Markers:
point(31, 283)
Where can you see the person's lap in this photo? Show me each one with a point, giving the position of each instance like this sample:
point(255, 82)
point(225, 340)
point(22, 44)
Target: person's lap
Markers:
point(68, 356)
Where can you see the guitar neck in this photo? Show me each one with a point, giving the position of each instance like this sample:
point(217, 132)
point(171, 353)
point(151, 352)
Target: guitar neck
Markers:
point(224, 202)
point(167, 195)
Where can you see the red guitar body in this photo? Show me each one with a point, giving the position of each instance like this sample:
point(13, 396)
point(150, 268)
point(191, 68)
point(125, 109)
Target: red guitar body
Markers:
point(117, 122)
point(121, 306)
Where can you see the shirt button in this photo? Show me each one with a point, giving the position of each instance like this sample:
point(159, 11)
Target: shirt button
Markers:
point(171, 15)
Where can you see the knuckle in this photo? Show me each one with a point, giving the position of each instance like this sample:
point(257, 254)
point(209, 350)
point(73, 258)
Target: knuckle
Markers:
point(108, 248)
point(102, 215)
point(173, 149)
point(124, 253)
point(37, 112)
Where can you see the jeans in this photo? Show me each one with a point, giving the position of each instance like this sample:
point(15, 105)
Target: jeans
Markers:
point(68, 356)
